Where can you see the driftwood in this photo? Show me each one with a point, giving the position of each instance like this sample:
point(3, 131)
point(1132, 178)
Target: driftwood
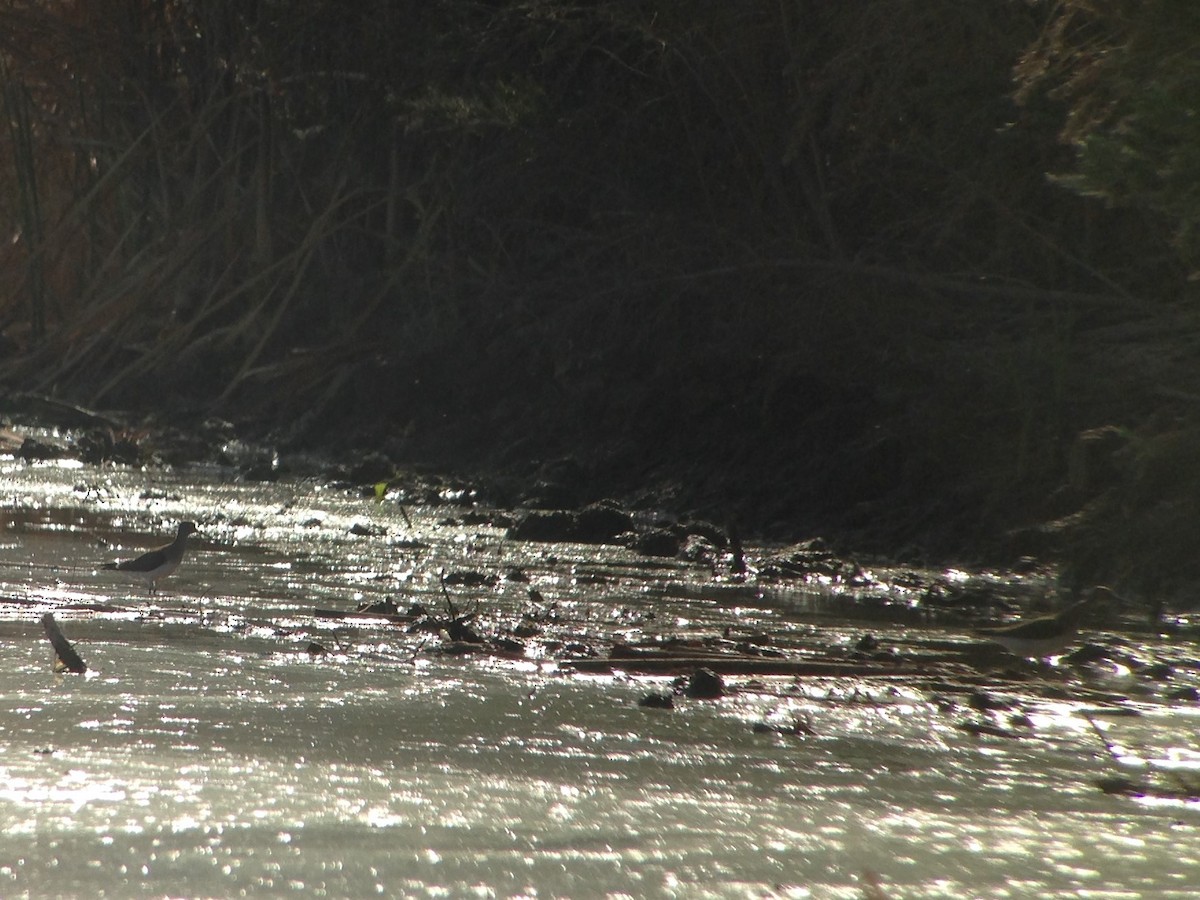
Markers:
point(58, 412)
point(65, 657)
point(669, 664)
point(394, 618)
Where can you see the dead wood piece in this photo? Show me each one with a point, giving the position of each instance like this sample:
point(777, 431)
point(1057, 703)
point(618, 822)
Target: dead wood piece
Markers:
point(751, 665)
point(394, 618)
point(627, 651)
point(981, 729)
point(52, 411)
point(65, 657)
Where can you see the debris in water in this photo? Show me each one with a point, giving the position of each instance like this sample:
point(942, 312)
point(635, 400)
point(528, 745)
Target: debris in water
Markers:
point(65, 657)
point(657, 701)
point(705, 684)
point(980, 729)
point(801, 726)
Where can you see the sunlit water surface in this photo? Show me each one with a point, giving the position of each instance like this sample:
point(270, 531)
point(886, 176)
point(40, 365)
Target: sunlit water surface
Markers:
point(208, 754)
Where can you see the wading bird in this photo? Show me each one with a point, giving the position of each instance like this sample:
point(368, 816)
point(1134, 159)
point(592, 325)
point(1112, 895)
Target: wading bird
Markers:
point(157, 563)
point(1041, 637)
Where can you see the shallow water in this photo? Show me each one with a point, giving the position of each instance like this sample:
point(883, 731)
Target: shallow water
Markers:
point(207, 753)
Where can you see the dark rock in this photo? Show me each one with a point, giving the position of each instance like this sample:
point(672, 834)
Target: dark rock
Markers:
point(983, 701)
point(655, 542)
point(705, 684)
point(33, 450)
point(99, 445)
point(586, 579)
point(576, 648)
point(800, 727)
point(557, 484)
point(541, 525)
point(1187, 694)
point(95, 446)
point(1027, 565)
point(1089, 653)
point(474, 518)
point(266, 470)
point(371, 468)
point(602, 522)
point(811, 557)
point(461, 633)
point(708, 531)
point(598, 523)
point(1123, 786)
point(527, 628)
point(1159, 671)
point(509, 645)
point(125, 450)
point(409, 544)
point(657, 701)
point(868, 643)
point(698, 549)
point(469, 579)
point(943, 702)
point(550, 495)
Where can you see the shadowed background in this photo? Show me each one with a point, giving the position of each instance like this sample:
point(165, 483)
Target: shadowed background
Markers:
point(798, 263)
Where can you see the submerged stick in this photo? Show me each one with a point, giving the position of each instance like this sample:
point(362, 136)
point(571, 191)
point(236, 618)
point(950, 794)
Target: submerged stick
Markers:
point(453, 610)
point(1108, 745)
point(737, 565)
point(65, 657)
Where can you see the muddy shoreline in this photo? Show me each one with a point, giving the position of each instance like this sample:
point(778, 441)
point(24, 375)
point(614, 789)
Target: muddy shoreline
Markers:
point(658, 501)
point(674, 611)
point(770, 496)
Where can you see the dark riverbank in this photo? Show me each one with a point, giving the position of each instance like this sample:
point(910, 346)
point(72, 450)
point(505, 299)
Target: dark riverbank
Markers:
point(913, 276)
point(842, 470)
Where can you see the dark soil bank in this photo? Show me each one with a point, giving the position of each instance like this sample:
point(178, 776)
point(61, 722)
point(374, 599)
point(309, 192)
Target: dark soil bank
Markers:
point(655, 491)
point(792, 268)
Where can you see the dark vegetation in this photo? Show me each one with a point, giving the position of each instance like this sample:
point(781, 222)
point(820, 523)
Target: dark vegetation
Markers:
point(797, 265)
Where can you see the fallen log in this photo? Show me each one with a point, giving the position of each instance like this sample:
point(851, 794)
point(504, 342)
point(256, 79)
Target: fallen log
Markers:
point(65, 657)
point(393, 618)
point(746, 665)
